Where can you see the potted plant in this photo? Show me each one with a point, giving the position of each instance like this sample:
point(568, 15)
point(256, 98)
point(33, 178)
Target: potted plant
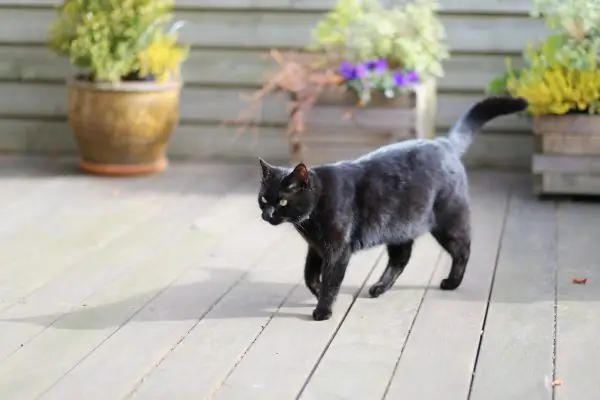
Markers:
point(124, 103)
point(382, 59)
point(561, 81)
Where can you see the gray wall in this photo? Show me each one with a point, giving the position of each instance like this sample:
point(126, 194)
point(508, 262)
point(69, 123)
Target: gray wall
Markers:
point(230, 39)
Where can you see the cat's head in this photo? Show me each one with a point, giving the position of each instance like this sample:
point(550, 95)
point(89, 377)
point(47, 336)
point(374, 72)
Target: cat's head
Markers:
point(286, 194)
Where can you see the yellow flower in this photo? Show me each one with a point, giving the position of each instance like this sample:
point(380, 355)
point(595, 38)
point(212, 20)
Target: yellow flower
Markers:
point(162, 58)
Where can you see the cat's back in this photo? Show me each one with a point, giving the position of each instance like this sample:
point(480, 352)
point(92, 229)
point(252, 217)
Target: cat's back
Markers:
point(407, 157)
point(411, 163)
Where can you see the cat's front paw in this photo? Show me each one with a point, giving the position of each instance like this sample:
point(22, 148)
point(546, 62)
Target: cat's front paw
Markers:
point(449, 284)
point(376, 290)
point(321, 314)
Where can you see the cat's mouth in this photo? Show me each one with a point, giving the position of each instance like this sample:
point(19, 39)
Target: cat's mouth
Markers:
point(273, 220)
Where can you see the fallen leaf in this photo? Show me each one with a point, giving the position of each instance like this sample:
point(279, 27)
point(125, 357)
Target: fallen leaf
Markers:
point(579, 281)
point(557, 382)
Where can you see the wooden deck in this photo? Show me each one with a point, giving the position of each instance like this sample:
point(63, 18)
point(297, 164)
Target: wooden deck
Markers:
point(172, 287)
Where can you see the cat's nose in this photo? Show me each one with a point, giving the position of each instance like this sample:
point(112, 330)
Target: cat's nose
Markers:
point(267, 213)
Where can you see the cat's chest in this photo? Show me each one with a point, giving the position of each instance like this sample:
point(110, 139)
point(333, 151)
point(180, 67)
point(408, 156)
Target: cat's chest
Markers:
point(317, 236)
point(310, 234)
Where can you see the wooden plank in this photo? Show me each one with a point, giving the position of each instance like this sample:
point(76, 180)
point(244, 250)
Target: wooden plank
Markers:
point(360, 120)
point(55, 192)
point(188, 141)
point(202, 105)
point(69, 232)
point(574, 124)
point(333, 125)
point(198, 142)
point(219, 142)
point(503, 150)
point(35, 135)
point(518, 340)
point(80, 230)
point(565, 183)
point(451, 106)
point(577, 345)
point(197, 104)
point(489, 6)
point(463, 72)
point(500, 150)
point(279, 29)
point(15, 189)
point(374, 333)
point(471, 72)
point(151, 335)
point(272, 353)
point(231, 326)
point(437, 362)
point(73, 336)
point(116, 259)
point(566, 164)
point(568, 144)
point(323, 153)
point(482, 33)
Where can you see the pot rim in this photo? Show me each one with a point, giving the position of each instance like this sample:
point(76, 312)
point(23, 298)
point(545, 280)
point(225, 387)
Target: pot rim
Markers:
point(129, 86)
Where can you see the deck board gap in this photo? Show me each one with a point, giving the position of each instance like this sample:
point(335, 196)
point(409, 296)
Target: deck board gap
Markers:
point(439, 263)
point(255, 339)
point(491, 290)
point(337, 329)
point(240, 279)
point(556, 280)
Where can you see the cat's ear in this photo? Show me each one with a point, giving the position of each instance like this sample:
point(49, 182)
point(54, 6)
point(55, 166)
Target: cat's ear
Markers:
point(265, 168)
point(298, 177)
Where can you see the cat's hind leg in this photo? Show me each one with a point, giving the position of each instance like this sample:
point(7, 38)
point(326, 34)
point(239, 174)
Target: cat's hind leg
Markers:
point(399, 255)
point(312, 271)
point(455, 237)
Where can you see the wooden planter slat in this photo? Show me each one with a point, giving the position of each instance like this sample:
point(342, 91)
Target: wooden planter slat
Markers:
point(362, 119)
point(567, 184)
point(567, 143)
point(336, 129)
point(567, 155)
point(566, 164)
point(581, 124)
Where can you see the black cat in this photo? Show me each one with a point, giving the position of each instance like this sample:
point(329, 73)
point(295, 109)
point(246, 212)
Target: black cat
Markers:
point(390, 196)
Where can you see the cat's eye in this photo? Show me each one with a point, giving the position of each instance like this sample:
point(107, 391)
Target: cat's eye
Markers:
point(283, 202)
point(262, 198)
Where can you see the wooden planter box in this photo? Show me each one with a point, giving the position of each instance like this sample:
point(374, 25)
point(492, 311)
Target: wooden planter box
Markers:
point(338, 130)
point(567, 155)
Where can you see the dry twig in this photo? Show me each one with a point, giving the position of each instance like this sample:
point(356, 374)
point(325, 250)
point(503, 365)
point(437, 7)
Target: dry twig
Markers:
point(302, 77)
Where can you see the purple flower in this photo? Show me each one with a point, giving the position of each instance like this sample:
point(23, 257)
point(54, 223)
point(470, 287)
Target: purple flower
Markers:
point(412, 77)
point(399, 79)
point(348, 71)
point(407, 78)
point(361, 70)
point(379, 66)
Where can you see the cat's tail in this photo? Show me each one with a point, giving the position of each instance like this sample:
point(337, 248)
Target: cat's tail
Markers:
point(462, 133)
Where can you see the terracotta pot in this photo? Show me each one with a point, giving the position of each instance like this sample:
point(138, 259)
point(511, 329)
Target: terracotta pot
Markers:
point(123, 128)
